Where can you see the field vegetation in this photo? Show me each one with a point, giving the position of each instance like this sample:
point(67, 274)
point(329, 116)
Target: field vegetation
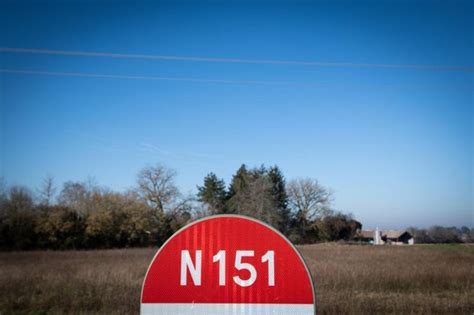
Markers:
point(350, 279)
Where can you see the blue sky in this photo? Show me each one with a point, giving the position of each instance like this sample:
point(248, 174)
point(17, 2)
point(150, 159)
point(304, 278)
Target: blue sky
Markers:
point(395, 144)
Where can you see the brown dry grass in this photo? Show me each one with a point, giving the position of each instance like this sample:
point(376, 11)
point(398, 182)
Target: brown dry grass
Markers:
point(391, 279)
point(350, 280)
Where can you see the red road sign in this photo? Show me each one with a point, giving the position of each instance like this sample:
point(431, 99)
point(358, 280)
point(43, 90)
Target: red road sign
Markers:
point(228, 265)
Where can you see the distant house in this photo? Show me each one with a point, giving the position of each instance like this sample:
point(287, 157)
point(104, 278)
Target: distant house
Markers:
point(392, 237)
point(398, 237)
point(365, 236)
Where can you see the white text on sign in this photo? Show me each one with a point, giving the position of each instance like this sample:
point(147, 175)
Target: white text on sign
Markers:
point(195, 268)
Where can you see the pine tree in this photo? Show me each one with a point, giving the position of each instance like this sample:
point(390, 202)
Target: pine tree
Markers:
point(213, 194)
point(281, 197)
point(239, 181)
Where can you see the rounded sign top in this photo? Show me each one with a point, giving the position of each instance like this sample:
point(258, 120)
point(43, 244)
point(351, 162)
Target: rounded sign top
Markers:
point(226, 260)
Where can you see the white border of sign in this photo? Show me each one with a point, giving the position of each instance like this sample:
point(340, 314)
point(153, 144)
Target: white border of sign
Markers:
point(232, 216)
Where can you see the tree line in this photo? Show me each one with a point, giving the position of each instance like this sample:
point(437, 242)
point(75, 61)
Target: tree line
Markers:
point(83, 215)
point(441, 234)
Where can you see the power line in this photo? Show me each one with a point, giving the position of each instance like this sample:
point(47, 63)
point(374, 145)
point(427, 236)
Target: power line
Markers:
point(200, 80)
point(236, 60)
point(156, 78)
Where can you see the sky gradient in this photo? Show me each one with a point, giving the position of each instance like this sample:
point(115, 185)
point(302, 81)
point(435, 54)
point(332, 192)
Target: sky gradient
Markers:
point(395, 144)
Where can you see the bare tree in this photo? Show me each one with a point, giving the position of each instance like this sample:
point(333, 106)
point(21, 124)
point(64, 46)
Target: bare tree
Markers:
point(156, 186)
point(78, 196)
point(3, 191)
point(256, 200)
point(3, 185)
point(20, 199)
point(308, 199)
point(259, 201)
point(47, 190)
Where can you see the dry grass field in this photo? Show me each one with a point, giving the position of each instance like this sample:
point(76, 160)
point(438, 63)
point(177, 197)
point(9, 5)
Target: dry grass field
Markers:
point(350, 280)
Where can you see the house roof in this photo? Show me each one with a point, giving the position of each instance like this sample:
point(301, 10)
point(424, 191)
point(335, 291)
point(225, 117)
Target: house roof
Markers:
point(393, 233)
point(366, 234)
point(387, 233)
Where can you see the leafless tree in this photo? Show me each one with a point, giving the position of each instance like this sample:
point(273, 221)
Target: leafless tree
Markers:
point(156, 186)
point(47, 190)
point(80, 196)
point(256, 200)
point(3, 185)
point(3, 191)
point(308, 199)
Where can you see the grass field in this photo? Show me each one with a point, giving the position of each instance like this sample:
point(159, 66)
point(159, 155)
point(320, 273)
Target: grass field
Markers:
point(350, 280)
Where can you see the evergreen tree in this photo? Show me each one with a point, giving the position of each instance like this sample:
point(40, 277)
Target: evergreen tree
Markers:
point(239, 181)
point(213, 193)
point(280, 196)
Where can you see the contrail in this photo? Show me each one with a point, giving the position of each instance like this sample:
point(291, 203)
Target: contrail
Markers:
point(158, 78)
point(237, 60)
point(199, 80)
